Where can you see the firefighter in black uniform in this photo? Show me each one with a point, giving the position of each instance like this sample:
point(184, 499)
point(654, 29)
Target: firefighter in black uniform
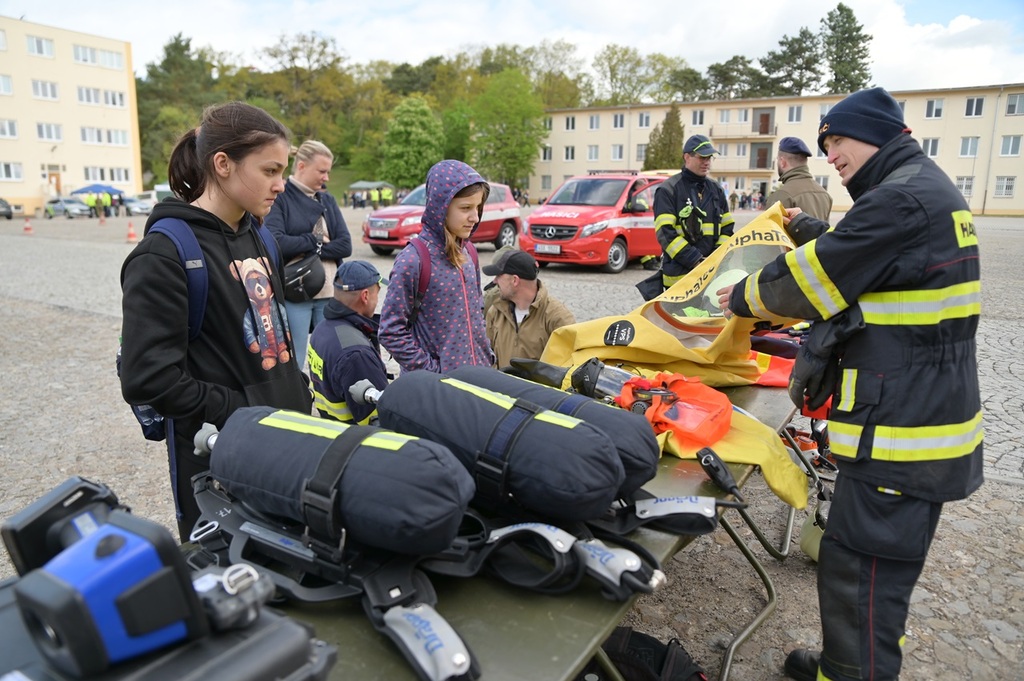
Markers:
point(895, 294)
point(691, 213)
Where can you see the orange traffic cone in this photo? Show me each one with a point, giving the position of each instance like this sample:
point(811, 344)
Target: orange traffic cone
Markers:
point(27, 229)
point(131, 234)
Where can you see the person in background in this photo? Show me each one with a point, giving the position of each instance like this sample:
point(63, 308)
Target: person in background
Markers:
point(306, 219)
point(691, 215)
point(894, 291)
point(343, 348)
point(799, 190)
point(520, 323)
point(447, 329)
point(492, 293)
point(227, 172)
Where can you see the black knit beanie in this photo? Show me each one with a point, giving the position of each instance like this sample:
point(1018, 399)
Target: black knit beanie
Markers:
point(871, 116)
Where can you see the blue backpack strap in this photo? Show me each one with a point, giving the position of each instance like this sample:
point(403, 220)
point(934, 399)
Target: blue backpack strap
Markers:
point(196, 276)
point(270, 243)
point(424, 280)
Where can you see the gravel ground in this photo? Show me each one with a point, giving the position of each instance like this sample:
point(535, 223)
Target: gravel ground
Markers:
point(63, 415)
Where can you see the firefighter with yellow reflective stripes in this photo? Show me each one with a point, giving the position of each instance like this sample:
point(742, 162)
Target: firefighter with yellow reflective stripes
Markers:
point(691, 213)
point(905, 424)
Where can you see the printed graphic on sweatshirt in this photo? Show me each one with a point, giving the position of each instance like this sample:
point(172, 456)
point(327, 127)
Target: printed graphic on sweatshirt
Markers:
point(265, 330)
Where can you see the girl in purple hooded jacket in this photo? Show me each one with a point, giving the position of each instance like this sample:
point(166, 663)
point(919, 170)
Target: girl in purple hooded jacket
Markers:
point(449, 329)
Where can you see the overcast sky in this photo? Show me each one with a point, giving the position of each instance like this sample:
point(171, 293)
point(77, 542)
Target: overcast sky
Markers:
point(918, 44)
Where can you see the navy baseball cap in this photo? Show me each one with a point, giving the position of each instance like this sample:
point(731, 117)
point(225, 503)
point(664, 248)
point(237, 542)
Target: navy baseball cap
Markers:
point(794, 145)
point(515, 262)
point(700, 145)
point(355, 275)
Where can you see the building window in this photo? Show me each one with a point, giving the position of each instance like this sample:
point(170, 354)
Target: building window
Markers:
point(41, 47)
point(741, 149)
point(974, 106)
point(85, 55)
point(547, 123)
point(44, 89)
point(49, 132)
point(968, 147)
point(592, 153)
point(118, 138)
point(723, 149)
point(618, 121)
point(6, 85)
point(1004, 186)
point(111, 60)
point(933, 109)
point(723, 115)
point(823, 109)
point(1010, 145)
point(741, 183)
point(1015, 105)
point(570, 122)
point(92, 135)
point(595, 122)
point(965, 183)
point(113, 98)
point(10, 171)
point(94, 174)
point(570, 153)
point(88, 95)
point(822, 180)
point(641, 152)
point(644, 119)
point(742, 116)
point(698, 117)
point(119, 175)
point(545, 153)
point(930, 145)
point(8, 128)
point(545, 182)
point(617, 152)
point(796, 113)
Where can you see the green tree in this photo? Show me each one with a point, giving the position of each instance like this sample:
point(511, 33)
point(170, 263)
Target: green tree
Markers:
point(622, 76)
point(413, 142)
point(363, 117)
point(665, 145)
point(687, 83)
point(735, 78)
point(796, 67)
point(558, 75)
point(407, 79)
point(457, 130)
point(845, 48)
point(508, 128)
point(659, 69)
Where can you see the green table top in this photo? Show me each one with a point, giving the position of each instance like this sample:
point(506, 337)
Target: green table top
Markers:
point(516, 634)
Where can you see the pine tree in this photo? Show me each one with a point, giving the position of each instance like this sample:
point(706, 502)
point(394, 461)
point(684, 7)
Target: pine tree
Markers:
point(845, 48)
point(665, 145)
point(796, 67)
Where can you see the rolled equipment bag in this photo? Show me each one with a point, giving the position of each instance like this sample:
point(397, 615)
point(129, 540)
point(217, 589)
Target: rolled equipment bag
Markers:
point(395, 491)
point(630, 433)
point(553, 465)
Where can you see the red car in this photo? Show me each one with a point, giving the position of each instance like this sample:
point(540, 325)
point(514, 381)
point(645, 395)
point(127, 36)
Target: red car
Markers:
point(603, 219)
point(387, 229)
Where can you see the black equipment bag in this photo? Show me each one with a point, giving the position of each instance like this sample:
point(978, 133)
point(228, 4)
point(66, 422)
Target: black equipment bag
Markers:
point(384, 489)
point(630, 433)
point(304, 278)
point(553, 465)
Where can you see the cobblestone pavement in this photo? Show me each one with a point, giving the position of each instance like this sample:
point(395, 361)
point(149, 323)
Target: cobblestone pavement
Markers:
point(62, 415)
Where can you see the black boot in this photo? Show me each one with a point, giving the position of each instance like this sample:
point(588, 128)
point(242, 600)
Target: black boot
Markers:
point(802, 664)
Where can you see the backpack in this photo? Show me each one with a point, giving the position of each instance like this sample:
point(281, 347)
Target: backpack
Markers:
point(198, 281)
point(425, 269)
point(641, 657)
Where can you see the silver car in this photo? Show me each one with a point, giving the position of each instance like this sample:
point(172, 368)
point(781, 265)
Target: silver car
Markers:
point(71, 208)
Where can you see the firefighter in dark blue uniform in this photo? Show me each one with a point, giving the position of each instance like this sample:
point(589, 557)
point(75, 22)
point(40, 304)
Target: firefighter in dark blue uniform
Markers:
point(343, 348)
point(895, 296)
point(691, 213)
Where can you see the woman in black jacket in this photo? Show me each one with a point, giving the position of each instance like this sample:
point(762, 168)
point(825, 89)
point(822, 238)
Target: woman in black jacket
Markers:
point(306, 219)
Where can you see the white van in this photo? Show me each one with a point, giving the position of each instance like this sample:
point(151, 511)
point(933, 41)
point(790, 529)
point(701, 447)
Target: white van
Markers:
point(155, 195)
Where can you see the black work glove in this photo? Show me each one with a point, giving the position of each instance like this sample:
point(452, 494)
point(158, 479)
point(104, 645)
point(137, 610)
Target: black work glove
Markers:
point(813, 376)
point(691, 218)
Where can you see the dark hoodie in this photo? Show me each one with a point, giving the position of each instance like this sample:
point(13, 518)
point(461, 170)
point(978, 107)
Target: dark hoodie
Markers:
point(242, 356)
point(449, 330)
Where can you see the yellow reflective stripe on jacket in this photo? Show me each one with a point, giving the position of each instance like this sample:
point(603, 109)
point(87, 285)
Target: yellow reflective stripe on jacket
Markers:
point(708, 228)
point(664, 220)
point(927, 443)
point(316, 363)
point(847, 390)
point(300, 423)
point(676, 245)
point(337, 410)
point(752, 294)
point(506, 402)
point(384, 439)
point(909, 443)
point(930, 306)
point(814, 283)
point(667, 281)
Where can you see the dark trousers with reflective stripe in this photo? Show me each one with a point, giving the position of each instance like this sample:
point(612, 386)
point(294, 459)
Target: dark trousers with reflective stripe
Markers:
point(183, 465)
point(871, 556)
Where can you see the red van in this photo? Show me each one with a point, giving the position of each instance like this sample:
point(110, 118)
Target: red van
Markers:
point(603, 219)
point(387, 229)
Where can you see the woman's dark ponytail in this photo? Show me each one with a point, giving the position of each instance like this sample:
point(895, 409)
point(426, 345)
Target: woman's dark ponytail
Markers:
point(185, 172)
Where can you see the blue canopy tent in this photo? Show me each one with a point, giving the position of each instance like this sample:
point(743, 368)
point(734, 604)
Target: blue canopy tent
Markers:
point(98, 189)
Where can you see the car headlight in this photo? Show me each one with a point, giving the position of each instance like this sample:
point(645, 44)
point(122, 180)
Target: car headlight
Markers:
point(594, 228)
point(410, 221)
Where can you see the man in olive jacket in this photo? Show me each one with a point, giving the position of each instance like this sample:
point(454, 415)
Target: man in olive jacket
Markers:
point(799, 190)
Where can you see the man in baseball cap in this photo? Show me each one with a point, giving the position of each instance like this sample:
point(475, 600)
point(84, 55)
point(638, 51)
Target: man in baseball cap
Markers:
point(343, 348)
point(799, 189)
point(520, 322)
point(699, 145)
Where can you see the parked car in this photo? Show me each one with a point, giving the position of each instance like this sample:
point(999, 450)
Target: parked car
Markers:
point(71, 208)
point(602, 219)
point(390, 228)
point(134, 206)
point(5, 210)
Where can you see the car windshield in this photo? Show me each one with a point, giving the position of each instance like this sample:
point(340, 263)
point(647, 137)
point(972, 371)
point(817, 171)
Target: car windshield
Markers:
point(588, 192)
point(417, 197)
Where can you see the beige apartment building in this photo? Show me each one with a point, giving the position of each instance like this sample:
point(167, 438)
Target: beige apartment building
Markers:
point(68, 114)
point(973, 133)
